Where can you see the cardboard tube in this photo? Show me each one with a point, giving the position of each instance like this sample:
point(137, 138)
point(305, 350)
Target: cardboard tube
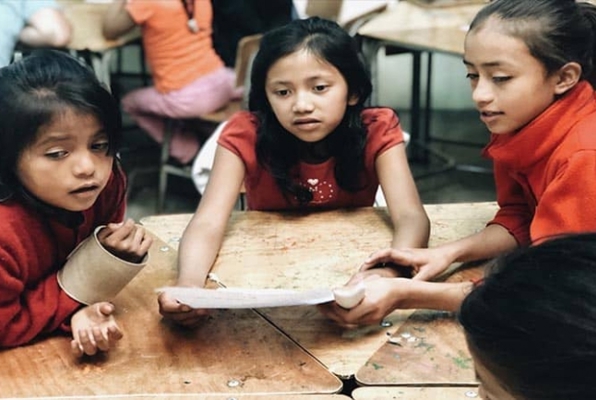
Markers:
point(93, 274)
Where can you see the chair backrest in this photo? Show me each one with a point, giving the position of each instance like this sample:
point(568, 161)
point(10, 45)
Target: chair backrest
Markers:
point(247, 48)
point(328, 9)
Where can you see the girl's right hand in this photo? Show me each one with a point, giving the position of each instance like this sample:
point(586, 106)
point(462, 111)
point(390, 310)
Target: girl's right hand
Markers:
point(179, 313)
point(426, 263)
point(94, 329)
point(125, 240)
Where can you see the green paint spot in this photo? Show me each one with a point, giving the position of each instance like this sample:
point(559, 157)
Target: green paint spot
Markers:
point(462, 361)
point(377, 366)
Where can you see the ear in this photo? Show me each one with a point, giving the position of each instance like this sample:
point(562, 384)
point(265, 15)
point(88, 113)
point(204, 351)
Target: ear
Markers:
point(567, 76)
point(353, 100)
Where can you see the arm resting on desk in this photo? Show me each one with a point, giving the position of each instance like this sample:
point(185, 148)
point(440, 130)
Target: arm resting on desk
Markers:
point(117, 21)
point(46, 27)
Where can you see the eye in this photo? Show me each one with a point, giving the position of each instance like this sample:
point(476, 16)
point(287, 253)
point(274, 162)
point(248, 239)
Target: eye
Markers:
point(501, 79)
point(320, 88)
point(56, 154)
point(100, 146)
point(471, 76)
point(282, 92)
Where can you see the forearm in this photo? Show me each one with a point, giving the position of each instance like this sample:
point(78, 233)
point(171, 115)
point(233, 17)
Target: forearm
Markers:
point(491, 242)
point(411, 231)
point(198, 250)
point(432, 295)
point(47, 27)
point(117, 20)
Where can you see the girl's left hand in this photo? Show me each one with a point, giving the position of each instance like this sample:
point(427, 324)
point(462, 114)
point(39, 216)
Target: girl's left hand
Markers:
point(125, 240)
point(94, 329)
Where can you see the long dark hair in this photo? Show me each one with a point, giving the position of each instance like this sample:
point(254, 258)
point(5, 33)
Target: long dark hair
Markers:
point(33, 91)
point(533, 320)
point(555, 31)
point(276, 148)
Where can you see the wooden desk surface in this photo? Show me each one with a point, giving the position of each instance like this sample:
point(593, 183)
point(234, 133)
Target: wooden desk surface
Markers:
point(418, 393)
point(86, 20)
point(440, 29)
point(234, 352)
point(275, 250)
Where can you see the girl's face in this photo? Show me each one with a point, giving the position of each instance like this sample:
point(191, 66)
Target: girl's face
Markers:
point(68, 165)
point(308, 95)
point(509, 86)
point(490, 387)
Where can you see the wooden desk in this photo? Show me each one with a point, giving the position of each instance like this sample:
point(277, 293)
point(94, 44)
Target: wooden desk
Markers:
point(86, 21)
point(418, 393)
point(235, 352)
point(409, 28)
point(293, 251)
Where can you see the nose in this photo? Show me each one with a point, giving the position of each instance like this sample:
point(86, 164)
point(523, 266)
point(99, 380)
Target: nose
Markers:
point(84, 164)
point(302, 103)
point(482, 92)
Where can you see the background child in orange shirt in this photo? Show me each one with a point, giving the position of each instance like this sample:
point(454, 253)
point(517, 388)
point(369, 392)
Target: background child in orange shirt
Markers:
point(189, 78)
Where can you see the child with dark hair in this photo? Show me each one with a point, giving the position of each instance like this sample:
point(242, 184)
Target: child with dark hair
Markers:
point(64, 252)
point(307, 143)
point(531, 324)
point(531, 69)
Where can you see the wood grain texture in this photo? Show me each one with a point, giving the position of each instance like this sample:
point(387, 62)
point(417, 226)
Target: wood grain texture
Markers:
point(441, 29)
point(86, 21)
point(416, 393)
point(234, 352)
point(305, 251)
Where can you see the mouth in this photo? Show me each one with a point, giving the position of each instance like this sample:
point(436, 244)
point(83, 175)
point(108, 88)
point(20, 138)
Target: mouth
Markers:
point(85, 189)
point(306, 121)
point(487, 116)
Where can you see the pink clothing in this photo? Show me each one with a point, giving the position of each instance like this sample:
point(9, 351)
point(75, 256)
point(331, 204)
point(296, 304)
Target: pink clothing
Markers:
point(262, 193)
point(190, 78)
point(147, 107)
point(544, 173)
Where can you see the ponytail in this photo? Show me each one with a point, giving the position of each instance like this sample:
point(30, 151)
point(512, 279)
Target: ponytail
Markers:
point(589, 13)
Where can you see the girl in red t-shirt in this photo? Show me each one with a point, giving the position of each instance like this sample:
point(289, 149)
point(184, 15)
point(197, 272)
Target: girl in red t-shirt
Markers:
point(307, 143)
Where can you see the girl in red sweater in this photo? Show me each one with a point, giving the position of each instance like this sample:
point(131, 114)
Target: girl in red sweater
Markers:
point(530, 65)
point(59, 183)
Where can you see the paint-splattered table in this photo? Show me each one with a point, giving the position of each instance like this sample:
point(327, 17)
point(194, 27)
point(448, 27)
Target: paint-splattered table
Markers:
point(235, 353)
point(305, 251)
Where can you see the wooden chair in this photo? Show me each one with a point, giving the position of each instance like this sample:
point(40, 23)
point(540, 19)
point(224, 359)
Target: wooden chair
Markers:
point(247, 48)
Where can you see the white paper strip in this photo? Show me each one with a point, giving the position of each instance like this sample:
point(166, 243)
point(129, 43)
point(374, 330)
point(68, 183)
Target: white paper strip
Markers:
point(246, 298)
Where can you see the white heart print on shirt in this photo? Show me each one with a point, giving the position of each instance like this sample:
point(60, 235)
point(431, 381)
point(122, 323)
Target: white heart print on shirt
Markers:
point(323, 192)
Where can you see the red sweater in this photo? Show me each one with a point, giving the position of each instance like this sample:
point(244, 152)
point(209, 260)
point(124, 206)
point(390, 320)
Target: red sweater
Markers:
point(33, 247)
point(262, 193)
point(544, 173)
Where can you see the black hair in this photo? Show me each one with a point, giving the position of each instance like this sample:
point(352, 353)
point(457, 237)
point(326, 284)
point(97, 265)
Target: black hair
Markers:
point(34, 91)
point(276, 148)
point(556, 32)
point(532, 321)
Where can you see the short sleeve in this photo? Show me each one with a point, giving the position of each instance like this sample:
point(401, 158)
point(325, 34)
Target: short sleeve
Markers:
point(383, 131)
point(140, 10)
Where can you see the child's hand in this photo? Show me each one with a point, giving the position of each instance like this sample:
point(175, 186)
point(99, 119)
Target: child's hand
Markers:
point(125, 240)
point(94, 329)
point(180, 314)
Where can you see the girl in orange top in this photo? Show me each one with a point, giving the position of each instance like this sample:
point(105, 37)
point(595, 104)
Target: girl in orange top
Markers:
point(530, 65)
point(189, 78)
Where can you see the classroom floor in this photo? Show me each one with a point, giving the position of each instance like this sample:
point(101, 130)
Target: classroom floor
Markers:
point(468, 180)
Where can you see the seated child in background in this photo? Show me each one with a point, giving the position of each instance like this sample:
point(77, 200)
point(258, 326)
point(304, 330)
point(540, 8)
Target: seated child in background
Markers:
point(531, 68)
point(307, 143)
point(59, 181)
point(35, 23)
point(531, 325)
point(189, 78)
